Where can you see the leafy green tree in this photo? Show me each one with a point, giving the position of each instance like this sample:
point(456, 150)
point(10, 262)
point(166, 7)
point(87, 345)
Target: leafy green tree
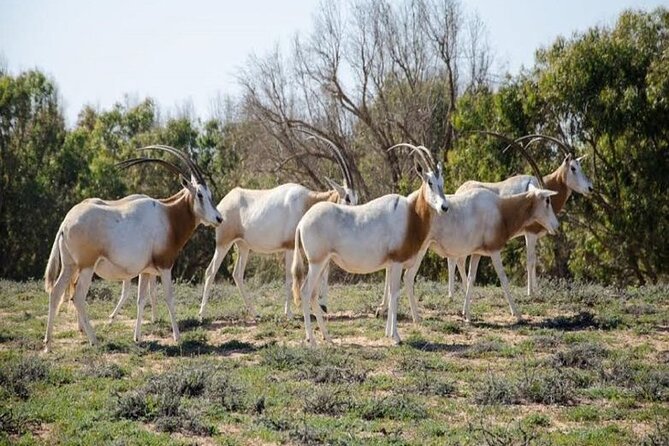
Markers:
point(32, 130)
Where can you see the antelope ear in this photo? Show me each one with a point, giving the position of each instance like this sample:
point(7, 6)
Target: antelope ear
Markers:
point(187, 184)
point(420, 170)
point(440, 168)
point(532, 187)
point(580, 158)
point(333, 184)
point(568, 158)
point(546, 193)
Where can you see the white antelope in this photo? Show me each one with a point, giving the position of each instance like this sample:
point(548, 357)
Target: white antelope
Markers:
point(119, 240)
point(479, 223)
point(567, 178)
point(127, 284)
point(387, 232)
point(264, 221)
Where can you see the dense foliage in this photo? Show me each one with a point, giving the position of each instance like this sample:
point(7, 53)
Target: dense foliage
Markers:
point(606, 91)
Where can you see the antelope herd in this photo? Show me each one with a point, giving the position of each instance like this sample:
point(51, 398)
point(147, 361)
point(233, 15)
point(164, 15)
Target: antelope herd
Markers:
point(139, 236)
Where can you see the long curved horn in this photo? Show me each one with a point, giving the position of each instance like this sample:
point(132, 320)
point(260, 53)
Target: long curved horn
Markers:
point(421, 151)
point(197, 172)
point(429, 156)
point(564, 148)
point(525, 153)
point(341, 161)
point(135, 161)
point(194, 169)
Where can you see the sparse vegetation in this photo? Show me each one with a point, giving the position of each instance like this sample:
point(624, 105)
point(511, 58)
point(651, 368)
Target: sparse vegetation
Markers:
point(482, 383)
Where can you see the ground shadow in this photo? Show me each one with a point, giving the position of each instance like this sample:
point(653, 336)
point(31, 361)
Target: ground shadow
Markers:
point(427, 346)
point(196, 347)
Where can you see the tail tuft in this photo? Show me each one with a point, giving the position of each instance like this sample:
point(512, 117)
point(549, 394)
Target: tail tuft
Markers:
point(297, 269)
point(53, 265)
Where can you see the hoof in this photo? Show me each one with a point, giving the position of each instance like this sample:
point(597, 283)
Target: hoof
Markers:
point(380, 312)
point(324, 308)
point(397, 340)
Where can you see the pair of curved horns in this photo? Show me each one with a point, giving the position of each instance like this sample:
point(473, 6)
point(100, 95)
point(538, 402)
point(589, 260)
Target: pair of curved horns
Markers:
point(516, 144)
point(564, 148)
point(193, 168)
point(422, 151)
point(341, 161)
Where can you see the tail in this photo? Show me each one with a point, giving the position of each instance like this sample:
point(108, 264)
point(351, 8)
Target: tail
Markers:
point(297, 268)
point(53, 266)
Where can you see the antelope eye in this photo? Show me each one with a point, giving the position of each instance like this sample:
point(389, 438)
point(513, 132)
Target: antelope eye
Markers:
point(199, 195)
point(429, 183)
point(548, 201)
point(573, 169)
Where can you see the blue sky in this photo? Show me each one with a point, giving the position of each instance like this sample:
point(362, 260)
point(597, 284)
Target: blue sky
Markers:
point(189, 52)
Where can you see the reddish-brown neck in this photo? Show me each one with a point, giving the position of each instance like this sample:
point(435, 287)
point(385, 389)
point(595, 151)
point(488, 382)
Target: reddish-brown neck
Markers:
point(181, 224)
point(557, 181)
point(419, 217)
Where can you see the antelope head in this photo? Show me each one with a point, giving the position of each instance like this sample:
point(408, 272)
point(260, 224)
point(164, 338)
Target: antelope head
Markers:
point(346, 190)
point(573, 174)
point(542, 210)
point(192, 179)
point(431, 174)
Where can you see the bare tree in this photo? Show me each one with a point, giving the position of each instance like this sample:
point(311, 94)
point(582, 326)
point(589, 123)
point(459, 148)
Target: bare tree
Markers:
point(368, 76)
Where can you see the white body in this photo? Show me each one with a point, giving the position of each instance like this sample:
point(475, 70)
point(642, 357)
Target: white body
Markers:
point(264, 221)
point(480, 222)
point(386, 233)
point(119, 240)
point(567, 178)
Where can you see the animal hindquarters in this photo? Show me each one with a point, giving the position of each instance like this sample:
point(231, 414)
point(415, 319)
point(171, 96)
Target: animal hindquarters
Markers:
point(297, 268)
point(80, 292)
point(53, 265)
point(308, 296)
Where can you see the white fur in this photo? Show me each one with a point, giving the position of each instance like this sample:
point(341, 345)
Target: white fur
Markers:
point(265, 220)
point(576, 181)
point(474, 217)
point(360, 240)
point(123, 235)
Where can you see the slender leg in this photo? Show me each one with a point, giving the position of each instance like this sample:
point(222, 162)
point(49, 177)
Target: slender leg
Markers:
point(451, 277)
point(317, 307)
point(499, 269)
point(306, 292)
point(409, 281)
point(125, 292)
point(83, 283)
point(142, 285)
point(238, 276)
point(461, 261)
point(531, 243)
point(323, 294)
point(386, 297)
point(394, 280)
point(210, 274)
point(61, 286)
point(473, 267)
point(166, 280)
point(288, 262)
point(153, 291)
